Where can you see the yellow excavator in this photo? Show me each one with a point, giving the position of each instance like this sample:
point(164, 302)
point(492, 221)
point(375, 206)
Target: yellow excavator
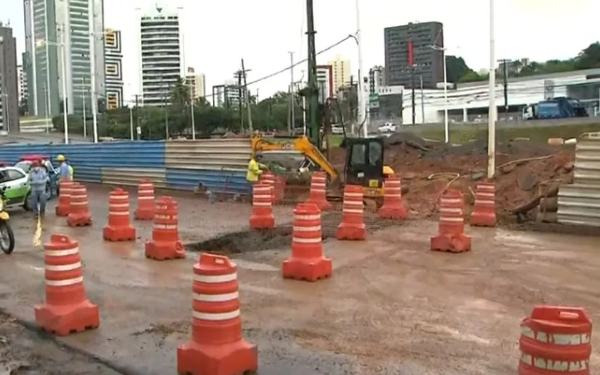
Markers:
point(364, 162)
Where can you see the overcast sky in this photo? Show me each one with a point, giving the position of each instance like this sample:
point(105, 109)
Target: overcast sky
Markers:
point(219, 33)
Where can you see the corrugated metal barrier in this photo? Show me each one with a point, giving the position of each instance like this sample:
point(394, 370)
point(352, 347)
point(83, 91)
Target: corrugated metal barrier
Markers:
point(579, 202)
point(223, 181)
point(218, 164)
point(208, 154)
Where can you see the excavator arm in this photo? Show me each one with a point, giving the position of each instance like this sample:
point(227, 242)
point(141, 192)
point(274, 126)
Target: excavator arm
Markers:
point(301, 145)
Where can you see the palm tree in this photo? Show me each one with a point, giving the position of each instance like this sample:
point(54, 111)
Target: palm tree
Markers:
point(180, 94)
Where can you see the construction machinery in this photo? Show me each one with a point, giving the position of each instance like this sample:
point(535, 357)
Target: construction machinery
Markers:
point(364, 163)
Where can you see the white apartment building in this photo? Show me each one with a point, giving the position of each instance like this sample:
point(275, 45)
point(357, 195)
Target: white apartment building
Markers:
point(22, 84)
point(196, 84)
point(50, 25)
point(113, 52)
point(160, 55)
point(325, 82)
point(376, 78)
point(341, 72)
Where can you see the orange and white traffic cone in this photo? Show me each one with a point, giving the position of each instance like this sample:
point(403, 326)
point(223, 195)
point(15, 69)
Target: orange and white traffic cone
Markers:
point(451, 235)
point(217, 346)
point(307, 261)
point(393, 208)
point(555, 340)
point(318, 191)
point(165, 243)
point(145, 208)
point(64, 199)
point(262, 210)
point(352, 226)
point(484, 209)
point(79, 215)
point(67, 308)
point(119, 227)
point(269, 179)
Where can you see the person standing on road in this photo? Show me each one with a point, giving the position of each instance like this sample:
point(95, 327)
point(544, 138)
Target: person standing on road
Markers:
point(255, 169)
point(37, 180)
point(66, 171)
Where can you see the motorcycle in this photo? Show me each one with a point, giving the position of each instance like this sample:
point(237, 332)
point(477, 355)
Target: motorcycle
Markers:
point(7, 237)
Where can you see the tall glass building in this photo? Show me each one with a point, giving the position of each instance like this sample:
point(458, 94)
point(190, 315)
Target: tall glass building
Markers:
point(54, 26)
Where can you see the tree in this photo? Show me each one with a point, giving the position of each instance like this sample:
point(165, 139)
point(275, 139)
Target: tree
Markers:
point(456, 68)
point(180, 94)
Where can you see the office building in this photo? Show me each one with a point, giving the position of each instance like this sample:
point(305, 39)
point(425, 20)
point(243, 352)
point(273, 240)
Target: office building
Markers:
point(161, 55)
point(427, 61)
point(325, 82)
point(113, 55)
point(45, 24)
point(341, 72)
point(9, 81)
point(376, 79)
point(22, 84)
point(226, 95)
point(195, 83)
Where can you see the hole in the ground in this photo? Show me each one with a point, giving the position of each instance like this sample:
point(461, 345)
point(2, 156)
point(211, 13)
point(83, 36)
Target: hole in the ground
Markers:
point(251, 240)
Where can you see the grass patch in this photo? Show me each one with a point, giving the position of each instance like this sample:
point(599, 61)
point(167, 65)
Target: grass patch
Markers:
point(466, 133)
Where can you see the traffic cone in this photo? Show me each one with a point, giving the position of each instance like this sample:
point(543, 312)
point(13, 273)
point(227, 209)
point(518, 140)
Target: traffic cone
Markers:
point(484, 209)
point(67, 308)
point(262, 210)
point(393, 208)
point(352, 226)
point(165, 243)
point(451, 235)
point(64, 199)
point(269, 178)
point(307, 261)
point(119, 227)
point(145, 208)
point(217, 346)
point(318, 191)
point(79, 215)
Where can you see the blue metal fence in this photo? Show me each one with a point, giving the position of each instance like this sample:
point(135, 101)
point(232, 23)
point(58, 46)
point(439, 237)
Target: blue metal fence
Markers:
point(125, 163)
point(226, 181)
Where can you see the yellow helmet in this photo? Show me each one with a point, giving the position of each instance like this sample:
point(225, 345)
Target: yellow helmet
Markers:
point(60, 158)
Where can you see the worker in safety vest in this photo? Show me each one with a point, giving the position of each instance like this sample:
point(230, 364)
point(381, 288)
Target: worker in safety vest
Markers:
point(255, 169)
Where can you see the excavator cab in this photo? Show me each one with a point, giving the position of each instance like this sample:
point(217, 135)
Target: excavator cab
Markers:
point(365, 165)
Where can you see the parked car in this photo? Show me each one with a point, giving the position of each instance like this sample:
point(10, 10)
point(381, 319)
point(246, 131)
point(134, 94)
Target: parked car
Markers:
point(16, 183)
point(52, 185)
point(388, 127)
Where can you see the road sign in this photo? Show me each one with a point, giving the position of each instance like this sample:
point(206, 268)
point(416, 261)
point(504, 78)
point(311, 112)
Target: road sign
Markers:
point(373, 97)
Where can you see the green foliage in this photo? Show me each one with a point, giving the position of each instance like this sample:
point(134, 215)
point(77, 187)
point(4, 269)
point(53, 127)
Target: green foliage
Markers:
point(588, 58)
point(268, 114)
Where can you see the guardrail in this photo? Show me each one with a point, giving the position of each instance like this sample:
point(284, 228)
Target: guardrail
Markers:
point(579, 202)
point(217, 164)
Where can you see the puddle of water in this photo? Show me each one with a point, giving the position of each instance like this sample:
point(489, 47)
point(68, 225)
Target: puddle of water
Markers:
point(252, 266)
point(552, 254)
point(431, 328)
point(260, 289)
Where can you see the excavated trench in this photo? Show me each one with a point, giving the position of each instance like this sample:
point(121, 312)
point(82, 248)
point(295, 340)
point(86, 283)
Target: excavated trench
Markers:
point(279, 237)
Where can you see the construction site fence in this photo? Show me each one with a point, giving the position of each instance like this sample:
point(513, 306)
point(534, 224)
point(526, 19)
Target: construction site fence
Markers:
point(579, 202)
point(219, 165)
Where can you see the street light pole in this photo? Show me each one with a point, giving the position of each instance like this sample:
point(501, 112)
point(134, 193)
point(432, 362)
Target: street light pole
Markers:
point(63, 73)
point(446, 129)
point(492, 94)
point(360, 96)
point(84, 114)
point(93, 94)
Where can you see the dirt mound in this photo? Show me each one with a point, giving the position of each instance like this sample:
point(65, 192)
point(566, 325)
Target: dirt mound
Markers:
point(429, 167)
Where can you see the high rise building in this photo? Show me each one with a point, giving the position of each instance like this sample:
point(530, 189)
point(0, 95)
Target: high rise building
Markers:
point(376, 78)
point(427, 61)
point(325, 82)
point(196, 84)
point(113, 55)
point(341, 72)
point(226, 95)
point(49, 46)
point(9, 81)
point(161, 55)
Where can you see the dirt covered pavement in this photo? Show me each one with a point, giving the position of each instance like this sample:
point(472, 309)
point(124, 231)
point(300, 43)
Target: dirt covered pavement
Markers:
point(427, 168)
point(392, 306)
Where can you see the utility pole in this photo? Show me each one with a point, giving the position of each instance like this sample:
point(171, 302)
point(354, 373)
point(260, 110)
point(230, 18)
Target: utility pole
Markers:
point(422, 101)
point(291, 124)
point(247, 99)
point(238, 75)
point(411, 65)
point(84, 115)
point(504, 63)
point(312, 91)
point(137, 115)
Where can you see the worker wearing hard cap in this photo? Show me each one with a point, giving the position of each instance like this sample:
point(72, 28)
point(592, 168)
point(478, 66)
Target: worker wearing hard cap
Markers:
point(255, 168)
point(66, 171)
